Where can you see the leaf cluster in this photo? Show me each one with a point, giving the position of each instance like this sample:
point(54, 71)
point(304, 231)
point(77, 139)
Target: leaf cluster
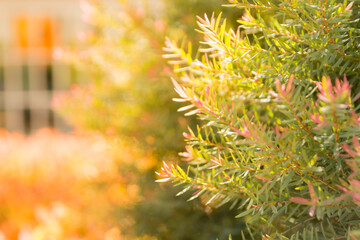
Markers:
point(277, 121)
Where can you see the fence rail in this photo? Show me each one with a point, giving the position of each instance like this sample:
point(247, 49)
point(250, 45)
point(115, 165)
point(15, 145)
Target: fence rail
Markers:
point(28, 83)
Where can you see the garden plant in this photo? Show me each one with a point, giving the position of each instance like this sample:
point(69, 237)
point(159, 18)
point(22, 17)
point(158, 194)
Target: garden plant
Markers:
point(271, 98)
point(278, 103)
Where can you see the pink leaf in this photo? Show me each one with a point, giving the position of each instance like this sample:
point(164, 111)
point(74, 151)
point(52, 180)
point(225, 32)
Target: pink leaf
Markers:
point(343, 188)
point(274, 94)
point(278, 85)
point(353, 236)
point(186, 135)
point(348, 7)
point(312, 211)
point(356, 197)
point(341, 197)
point(188, 155)
point(246, 17)
point(355, 183)
point(315, 118)
point(311, 191)
point(348, 150)
point(245, 133)
point(300, 200)
point(356, 143)
point(289, 85)
point(179, 89)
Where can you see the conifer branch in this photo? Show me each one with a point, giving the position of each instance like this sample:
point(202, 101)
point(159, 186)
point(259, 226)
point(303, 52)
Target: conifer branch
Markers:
point(274, 126)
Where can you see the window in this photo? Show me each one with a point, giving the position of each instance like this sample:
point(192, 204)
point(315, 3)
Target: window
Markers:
point(29, 77)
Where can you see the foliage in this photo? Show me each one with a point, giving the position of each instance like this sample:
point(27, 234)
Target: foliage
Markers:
point(126, 96)
point(279, 134)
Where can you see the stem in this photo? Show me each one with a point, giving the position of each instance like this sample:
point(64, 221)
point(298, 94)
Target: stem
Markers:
point(298, 225)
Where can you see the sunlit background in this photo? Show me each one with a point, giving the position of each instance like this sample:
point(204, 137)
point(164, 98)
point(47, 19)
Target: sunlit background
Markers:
point(86, 118)
point(29, 76)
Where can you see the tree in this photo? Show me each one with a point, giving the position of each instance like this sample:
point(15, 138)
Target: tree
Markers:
point(278, 100)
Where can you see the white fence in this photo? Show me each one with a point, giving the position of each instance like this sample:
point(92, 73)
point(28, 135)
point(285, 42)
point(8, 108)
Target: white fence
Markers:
point(27, 85)
point(29, 29)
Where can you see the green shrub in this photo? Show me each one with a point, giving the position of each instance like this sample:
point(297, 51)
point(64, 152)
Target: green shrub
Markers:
point(279, 131)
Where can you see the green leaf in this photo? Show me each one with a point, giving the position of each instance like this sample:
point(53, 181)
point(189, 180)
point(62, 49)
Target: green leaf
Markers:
point(245, 213)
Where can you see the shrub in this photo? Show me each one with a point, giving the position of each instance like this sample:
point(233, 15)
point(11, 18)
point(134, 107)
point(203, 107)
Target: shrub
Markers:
point(278, 104)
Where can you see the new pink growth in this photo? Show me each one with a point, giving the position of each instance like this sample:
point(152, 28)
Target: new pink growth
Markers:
point(284, 90)
point(354, 168)
point(216, 161)
point(311, 191)
point(319, 119)
point(338, 89)
point(356, 197)
point(353, 190)
point(353, 193)
point(355, 183)
point(348, 7)
point(356, 146)
point(184, 94)
point(169, 46)
point(300, 200)
point(198, 63)
point(196, 192)
point(198, 103)
point(325, 89)
point(188, 155)
point(330, 94)
point(167, 173)
point(206, 21)
point(349, 150)
point(246, 17)
point(245, 132)
point(180, 90)
point(312, 202)
point(187, 135)
point(356, 143)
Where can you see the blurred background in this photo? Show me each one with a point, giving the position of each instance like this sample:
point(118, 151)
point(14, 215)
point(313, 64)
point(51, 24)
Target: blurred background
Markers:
point(86, 119)
point(29, 76)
